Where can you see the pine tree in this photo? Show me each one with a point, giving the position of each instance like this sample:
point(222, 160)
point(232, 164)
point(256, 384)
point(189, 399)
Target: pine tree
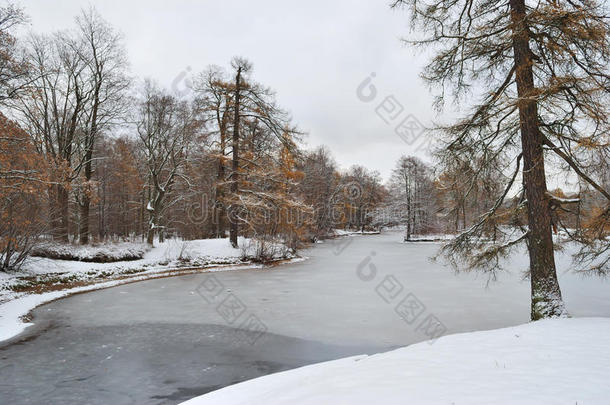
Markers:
point(539, 74)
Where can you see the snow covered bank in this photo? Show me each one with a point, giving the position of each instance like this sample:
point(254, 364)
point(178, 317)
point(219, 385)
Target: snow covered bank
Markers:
point(343, 232)
point(558, 361)
point(441, 237)
point(167, 255)
point(101, 253)
point(43, 280)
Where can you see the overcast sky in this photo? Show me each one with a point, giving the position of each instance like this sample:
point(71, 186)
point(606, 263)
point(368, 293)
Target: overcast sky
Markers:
point(313, 53)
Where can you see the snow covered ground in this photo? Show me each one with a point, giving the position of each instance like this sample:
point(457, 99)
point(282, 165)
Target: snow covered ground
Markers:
point(430, 237)
point(558, 361)
point(99, 253)
point(167, 255)
point(19, 295)
point(343, 232)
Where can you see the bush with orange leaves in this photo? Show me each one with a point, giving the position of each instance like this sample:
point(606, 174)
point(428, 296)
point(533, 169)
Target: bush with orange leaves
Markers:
point(23, 189)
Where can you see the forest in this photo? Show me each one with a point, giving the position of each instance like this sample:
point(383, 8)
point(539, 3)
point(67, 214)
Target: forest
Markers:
point(91, 154)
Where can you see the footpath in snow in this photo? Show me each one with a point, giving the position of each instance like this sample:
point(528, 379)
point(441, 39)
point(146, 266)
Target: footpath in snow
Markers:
point(558, 361)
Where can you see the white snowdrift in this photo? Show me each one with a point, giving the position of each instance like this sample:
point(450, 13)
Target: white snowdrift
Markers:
point(99, 253)
point(343, 232)
point(172, 253)
point(559, 361)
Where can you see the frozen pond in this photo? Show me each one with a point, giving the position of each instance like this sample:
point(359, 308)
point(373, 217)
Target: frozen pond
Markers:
point(166, 340)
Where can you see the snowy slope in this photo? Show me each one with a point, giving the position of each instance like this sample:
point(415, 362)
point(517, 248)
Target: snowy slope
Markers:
point(559, 361)
point(173, 252)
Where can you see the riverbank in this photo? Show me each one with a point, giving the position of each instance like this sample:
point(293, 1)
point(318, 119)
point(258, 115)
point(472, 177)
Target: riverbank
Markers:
point(43, 279)
point(557, 361)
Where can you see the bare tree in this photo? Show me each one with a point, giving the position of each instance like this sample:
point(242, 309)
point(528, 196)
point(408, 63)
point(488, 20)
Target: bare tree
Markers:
point(412, 193)
point(165, 128)
point(102, 51)
point(318, 186)
point(214, 101)
point(51, 110)
point(359, 192)
point(74, 90)
point(13, 67)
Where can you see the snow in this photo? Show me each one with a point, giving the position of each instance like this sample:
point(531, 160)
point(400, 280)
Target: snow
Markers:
point(343, 232)
point(556, 361)
point(171, 255)
point(430, 237)
point(110, 252)
point(563, 200)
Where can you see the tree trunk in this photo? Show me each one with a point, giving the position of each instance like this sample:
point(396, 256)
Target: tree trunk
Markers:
point(545, 291)
point(409, 224)
point(235, 166)
point(64, 222)
point(54, 217)
point(84, 221)
point(86, 200)
point(150, 236)
point(219, 208)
